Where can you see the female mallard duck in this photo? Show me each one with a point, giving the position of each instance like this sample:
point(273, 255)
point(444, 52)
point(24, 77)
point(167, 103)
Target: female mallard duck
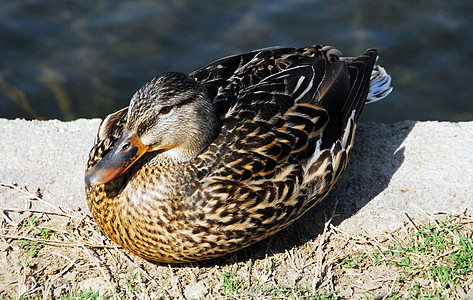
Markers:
point(203, 164)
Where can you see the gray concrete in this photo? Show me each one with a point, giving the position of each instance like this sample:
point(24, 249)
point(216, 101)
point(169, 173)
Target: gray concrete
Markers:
point(408, 168)
point(49, 155)
point(404, 168)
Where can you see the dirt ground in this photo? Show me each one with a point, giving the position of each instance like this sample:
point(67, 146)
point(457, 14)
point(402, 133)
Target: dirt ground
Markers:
point(62, 254)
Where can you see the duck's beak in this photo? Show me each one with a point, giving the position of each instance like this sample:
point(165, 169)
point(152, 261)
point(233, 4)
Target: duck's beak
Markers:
point(127, 150)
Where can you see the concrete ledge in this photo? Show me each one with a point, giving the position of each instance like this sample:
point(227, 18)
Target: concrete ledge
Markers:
point(408, 168)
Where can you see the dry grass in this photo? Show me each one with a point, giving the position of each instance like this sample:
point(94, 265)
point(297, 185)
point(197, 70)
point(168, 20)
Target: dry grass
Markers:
point(58, 254)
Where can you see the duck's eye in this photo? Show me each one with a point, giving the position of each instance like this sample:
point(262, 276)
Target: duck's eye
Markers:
point(165, 110)
point(125, 146)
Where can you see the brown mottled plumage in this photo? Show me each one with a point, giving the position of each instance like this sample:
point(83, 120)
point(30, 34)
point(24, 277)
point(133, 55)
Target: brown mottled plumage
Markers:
point(204, 164)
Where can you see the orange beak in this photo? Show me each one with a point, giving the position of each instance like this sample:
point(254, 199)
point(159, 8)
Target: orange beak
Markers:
point(127, 151)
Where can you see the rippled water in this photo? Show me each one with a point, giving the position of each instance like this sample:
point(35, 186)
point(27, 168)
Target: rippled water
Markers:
point(71, 59)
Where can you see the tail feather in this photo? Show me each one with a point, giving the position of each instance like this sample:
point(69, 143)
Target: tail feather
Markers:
point(380, 84)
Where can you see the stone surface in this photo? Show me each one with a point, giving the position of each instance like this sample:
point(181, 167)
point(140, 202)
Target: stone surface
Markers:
point(405, 169)
point(45, 155)
point(398, 170)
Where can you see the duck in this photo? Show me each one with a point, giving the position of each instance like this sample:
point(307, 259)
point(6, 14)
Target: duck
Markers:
point(206, 163)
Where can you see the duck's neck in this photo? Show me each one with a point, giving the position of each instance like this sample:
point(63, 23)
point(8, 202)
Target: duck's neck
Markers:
point(193, 140)
point(179, 155)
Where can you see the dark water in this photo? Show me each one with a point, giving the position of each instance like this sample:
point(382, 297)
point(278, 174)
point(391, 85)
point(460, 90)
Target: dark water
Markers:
point(71, 59)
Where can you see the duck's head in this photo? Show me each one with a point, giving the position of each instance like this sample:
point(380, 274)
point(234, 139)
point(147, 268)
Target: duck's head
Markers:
point(172, 114)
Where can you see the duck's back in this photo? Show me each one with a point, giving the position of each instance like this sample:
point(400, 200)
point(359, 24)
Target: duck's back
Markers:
point(281, 104)
point(270, 81)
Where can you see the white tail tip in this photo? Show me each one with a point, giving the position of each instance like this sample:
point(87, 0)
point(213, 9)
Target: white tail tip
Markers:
point(380, 84)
